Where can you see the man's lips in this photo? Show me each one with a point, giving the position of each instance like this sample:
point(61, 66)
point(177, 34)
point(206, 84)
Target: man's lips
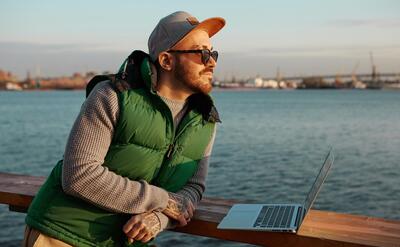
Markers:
point(208, 72)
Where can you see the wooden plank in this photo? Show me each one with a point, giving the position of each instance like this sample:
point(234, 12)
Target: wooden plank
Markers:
point(18, 190)
point(320, 228)
point(18, 209)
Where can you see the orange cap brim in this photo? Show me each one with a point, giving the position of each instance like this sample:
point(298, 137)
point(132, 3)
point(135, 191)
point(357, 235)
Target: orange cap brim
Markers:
point(211, 26)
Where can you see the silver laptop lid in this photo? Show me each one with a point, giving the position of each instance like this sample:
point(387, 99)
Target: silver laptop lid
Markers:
point(323, 173)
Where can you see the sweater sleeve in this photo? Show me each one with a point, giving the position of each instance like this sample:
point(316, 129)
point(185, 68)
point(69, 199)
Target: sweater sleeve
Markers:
point(195, 187)
point(83, 173)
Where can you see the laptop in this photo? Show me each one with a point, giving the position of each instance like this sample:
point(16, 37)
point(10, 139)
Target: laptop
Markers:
point(275, 217)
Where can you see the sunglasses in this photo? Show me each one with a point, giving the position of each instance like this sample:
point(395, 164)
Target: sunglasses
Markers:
point(206, 54)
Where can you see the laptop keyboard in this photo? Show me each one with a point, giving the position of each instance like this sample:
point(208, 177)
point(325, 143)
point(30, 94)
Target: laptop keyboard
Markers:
point(275, 216)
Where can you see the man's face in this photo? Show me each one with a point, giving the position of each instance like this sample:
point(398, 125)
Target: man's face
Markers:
point(189, 69)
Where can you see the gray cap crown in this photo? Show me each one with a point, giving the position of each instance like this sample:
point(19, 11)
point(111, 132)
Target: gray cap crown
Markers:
point(172, 28)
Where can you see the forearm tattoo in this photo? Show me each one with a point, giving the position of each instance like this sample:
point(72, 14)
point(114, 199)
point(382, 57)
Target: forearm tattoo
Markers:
point(177, 205)
point(153, 223)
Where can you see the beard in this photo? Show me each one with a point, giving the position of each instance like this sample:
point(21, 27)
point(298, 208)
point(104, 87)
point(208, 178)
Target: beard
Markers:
point(195, 81)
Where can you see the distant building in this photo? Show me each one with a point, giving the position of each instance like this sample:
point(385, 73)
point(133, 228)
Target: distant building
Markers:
point(257, 82)
point(316, 82)
point(270, 84)
point(7, 76)
point(6, 79)
point(12, 86)
point(291, 85)
point(359, 84)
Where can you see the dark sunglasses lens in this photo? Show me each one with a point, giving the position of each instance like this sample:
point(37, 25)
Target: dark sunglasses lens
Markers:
point(214, 55)
point(205, 56)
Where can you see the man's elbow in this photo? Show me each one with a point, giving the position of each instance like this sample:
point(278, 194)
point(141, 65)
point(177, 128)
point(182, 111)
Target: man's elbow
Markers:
point(69, 184)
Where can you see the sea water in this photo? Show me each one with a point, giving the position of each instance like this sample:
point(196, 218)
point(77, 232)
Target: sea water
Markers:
point(269, 148)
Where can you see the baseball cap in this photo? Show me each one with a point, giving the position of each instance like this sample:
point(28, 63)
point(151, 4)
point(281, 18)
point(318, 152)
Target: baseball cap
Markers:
point(174, 27)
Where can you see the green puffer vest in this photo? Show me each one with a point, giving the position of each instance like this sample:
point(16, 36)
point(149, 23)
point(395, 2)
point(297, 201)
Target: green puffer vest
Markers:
point(145, 146)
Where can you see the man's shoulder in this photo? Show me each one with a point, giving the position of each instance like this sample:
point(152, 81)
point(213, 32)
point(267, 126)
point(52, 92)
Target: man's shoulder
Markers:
point(103, 94)
point(104, 88)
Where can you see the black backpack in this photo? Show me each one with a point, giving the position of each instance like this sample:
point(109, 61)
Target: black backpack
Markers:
point(130, 77)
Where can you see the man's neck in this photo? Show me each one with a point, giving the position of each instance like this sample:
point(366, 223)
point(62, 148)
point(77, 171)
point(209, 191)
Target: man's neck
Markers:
point(169, 88)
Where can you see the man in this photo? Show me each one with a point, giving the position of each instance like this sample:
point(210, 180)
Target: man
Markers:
point(137, 156)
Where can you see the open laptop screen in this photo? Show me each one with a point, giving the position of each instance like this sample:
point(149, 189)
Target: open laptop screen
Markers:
point(312, 194)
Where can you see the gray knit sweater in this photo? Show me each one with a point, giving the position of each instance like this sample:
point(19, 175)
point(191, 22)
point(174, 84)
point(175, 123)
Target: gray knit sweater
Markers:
point(84, 176)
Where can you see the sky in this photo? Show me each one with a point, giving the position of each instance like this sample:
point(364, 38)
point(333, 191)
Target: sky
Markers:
point(313, 37)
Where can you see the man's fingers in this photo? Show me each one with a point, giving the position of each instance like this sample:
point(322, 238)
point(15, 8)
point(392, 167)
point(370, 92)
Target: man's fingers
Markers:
point(191, 210)
point(186, 215)
point(134, 231)
point(141, 234)
point(139, 227)
point(130, 223)
point(182, 221)
point(147, 238)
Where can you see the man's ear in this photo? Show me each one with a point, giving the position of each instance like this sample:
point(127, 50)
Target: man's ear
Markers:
point(166, 61)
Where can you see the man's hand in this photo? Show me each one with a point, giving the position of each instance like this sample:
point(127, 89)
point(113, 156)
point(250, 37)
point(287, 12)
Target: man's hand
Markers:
point(142, 227)
point(179, 208)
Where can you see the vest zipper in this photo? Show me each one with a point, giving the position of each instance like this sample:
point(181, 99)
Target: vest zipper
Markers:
point(183, 129)
point(172, 145)
point(170, 150)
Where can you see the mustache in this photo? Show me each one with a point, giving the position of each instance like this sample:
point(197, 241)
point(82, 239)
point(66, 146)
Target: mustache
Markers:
point(207, 70)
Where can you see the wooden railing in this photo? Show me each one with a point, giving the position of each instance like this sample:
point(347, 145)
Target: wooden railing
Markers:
point(320, 228)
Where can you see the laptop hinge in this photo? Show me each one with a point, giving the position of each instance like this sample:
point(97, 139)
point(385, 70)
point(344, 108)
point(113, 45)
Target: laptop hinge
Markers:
point(300, 216)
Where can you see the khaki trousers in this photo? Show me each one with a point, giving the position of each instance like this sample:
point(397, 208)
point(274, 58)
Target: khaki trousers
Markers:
point(34, 238)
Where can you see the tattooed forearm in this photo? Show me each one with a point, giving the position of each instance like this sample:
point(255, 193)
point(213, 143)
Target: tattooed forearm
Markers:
point(177, 205)
point(153, 223)
point(179, 208)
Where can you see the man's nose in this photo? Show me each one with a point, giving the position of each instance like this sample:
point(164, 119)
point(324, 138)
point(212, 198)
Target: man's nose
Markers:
point(211, 62)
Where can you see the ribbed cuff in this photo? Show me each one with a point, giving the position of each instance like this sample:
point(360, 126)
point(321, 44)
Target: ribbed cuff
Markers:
point(160, 197)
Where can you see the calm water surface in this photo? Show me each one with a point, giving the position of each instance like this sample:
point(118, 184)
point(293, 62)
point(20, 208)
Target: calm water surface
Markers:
point(269, 147)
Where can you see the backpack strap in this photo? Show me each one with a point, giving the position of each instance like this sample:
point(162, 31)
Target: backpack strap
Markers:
point(131, 71)
point(129, 75)
point(95, 80)
point(117, 83)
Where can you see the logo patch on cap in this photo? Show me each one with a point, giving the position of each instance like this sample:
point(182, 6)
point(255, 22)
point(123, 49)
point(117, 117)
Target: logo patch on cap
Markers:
point(192, 20)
